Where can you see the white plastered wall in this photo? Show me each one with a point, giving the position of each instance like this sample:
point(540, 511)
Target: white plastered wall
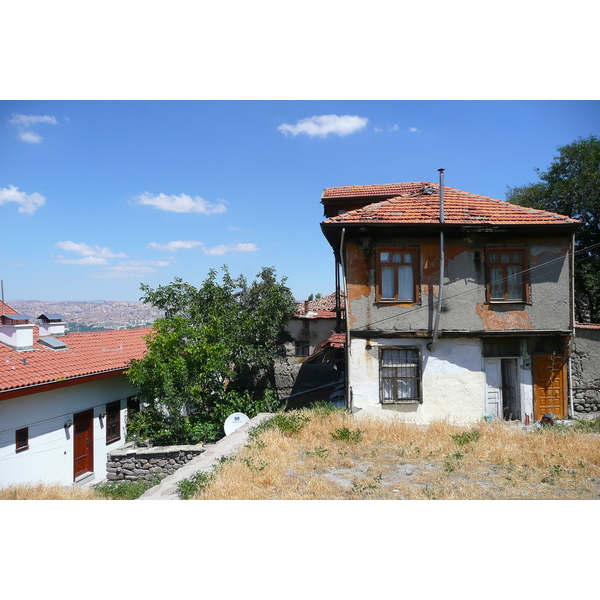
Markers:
point(453, 381)
point(50, 454)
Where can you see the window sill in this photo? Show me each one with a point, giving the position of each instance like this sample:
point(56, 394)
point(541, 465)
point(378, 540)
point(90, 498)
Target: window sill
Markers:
point(521, 302)
point(407, 303)
point(400, 402)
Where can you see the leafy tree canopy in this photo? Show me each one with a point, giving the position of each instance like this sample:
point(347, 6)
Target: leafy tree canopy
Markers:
point(205, 357)
point(571, 186)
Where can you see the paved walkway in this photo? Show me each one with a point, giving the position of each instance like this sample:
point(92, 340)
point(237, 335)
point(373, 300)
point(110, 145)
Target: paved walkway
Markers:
point(167, 488)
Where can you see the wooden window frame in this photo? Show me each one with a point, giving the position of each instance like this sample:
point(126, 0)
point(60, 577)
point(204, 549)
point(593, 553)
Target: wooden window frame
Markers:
point(302, 348)
point(524, 272)
point(22, 439)
point(113, 422)
point(416, 272)
point(418, 378)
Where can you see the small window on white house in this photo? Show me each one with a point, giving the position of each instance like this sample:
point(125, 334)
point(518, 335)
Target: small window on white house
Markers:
point(22, 439)
point(400, 376)
point(113, 422)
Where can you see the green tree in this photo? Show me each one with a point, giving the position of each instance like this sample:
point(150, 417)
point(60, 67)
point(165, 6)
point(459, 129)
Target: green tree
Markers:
point(205, 357)
point(571, 186)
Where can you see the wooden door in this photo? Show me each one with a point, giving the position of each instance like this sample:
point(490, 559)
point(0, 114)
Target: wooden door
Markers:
point(83, 443)
point(493, 388)
point(549, 385)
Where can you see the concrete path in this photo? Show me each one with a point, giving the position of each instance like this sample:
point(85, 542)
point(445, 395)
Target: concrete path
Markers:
point(167, 488)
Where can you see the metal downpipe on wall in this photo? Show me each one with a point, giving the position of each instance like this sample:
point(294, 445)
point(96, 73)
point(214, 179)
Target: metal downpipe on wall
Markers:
point(438, 311)
point(347, 349)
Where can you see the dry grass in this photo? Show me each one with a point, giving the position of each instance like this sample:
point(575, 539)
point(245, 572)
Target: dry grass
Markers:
point(45, 491)
point(334, 457)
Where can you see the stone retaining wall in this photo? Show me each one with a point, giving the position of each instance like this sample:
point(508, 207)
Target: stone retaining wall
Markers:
point(130, 462)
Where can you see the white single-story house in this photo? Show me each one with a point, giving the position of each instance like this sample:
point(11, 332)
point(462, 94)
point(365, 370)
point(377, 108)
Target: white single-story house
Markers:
point(63, 398)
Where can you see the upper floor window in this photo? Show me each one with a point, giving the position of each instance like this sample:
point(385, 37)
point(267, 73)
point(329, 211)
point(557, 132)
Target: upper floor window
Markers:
point(506, 275)
point(398, 274)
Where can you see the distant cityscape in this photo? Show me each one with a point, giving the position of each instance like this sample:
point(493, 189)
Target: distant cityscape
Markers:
point(92, 315)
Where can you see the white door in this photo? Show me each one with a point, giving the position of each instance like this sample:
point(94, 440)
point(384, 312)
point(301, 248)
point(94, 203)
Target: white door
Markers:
point(493, 387)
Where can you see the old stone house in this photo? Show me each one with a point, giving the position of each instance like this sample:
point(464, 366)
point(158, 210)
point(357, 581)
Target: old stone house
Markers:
point(458, 305)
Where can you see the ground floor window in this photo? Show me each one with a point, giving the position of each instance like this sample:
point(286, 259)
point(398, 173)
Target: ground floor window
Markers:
point(22, 439)
point(400, 376)
point(113, 422)
point(302, 348)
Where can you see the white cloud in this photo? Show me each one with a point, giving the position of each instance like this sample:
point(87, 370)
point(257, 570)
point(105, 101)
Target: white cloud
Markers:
point(131, 269)
point(30, 137)
point(394, 127)
point(225, 248)
point(28, 203)
point(25, 122)
point(91, 255)
point(29, 120)
point(218, 250)
point(87, 260)
point(323, 125)
point(412, 129)
point(181, 204)
point(174, 246)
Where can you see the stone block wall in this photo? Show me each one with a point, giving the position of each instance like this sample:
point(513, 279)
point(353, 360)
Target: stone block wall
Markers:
point(130, 462)
point(585, 369)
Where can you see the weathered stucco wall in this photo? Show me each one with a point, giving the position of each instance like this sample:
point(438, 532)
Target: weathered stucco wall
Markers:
point(464, 302)
point(453, 381)
point(312, 330)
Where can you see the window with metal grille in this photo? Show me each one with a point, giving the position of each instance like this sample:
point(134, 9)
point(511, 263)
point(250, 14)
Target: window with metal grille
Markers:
point(506, 270)
point(398, 274)
point(22, 439)
point(400, 376)
point(113, 422)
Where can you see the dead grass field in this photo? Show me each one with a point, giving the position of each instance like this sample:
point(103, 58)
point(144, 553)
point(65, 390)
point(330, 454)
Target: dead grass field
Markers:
point(328, 454)
point(325, 455)
point(45, 491)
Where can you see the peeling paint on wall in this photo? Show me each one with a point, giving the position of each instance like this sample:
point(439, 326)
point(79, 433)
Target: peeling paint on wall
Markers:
point(499, 318)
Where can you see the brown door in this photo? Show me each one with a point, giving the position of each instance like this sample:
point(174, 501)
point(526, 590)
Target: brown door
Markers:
point(549, 385)
point(83, 443)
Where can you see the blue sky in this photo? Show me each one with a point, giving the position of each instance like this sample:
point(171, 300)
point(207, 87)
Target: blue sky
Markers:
point(97, 197)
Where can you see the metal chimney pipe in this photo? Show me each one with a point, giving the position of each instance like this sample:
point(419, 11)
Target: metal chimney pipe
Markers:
point(431, 345)
point(441, 171)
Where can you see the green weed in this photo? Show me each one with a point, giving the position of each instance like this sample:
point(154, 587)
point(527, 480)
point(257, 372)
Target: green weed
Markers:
point(124, 490)
point(466, 437)
point(188, 488)
point(347, 435)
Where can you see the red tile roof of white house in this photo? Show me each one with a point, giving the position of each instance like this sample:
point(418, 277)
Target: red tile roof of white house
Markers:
point(87, 354)
point(419, 203)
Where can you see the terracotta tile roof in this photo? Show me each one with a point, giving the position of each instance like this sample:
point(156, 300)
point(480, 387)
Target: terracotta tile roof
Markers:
point(415, 205)
point(320, 308)
point(587, 325)
point(87, 353)
point(387, 189)
point(335, 340)
point(7, 310)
